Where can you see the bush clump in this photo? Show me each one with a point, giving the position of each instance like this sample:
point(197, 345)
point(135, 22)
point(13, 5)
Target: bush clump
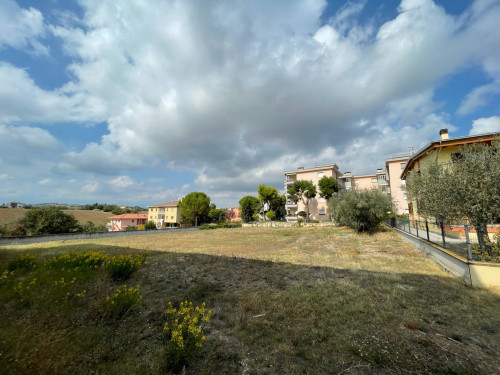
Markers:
point(150, 225)
point(362, 210)
point(183, 331)
point(26, 263)
point(223, 225)
point(123, 300)
point(123, 266)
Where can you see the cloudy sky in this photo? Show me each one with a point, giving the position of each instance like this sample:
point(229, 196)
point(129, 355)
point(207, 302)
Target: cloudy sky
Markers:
point(140, 102)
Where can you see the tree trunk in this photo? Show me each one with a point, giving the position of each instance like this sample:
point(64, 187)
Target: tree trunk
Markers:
point(195, 220)
point(483, 238)
point(307, 210)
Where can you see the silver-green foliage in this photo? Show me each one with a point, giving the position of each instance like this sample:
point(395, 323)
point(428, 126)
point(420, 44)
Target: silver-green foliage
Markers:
point(467, 187)
point(362, 210)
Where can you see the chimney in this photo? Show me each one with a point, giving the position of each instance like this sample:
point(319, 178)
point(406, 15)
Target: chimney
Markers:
point(380, 170)
point(300, 167)
point(443, 134)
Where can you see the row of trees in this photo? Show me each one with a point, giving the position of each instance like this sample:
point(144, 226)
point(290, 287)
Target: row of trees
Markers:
point(465, 189)
point(49, 220)
point(271, 204)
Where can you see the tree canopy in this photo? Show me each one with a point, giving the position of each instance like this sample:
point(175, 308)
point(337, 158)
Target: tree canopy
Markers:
point(274, 199)
point(249, 205)
point(217, 215)
point(195, 208)
point(48, 221)
point(362, 210)
point(328, 186)
point(302, 190)
point(467, 187)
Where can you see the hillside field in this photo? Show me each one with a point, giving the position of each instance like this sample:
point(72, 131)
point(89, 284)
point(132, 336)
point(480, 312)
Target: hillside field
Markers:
point(97, 217)
point(320, 300)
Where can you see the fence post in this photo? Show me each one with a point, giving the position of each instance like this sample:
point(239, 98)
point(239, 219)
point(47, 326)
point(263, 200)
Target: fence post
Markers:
point(409, 226)
point(427, 229)
point(442, 233)
point(416, 226)
point(469, 250)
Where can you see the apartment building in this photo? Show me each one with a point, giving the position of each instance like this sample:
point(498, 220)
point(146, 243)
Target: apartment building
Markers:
point(165, 214)
point(394, 166)
point(365, 182)
point(318, 205)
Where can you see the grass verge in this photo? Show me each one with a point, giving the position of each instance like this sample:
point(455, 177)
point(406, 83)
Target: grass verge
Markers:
point(284, 300)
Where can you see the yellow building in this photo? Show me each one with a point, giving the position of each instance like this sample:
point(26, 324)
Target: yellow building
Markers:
point(165, 214)
point(446, 147)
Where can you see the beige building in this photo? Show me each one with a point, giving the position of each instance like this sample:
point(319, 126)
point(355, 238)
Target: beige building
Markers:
point(394, 166)
point(445, 147)
point(317, 205)
point(165, 214)
point(365, 182)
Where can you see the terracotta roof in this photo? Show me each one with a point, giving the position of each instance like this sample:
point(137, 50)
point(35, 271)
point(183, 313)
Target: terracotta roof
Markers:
point(168, 204)
point(130, 216)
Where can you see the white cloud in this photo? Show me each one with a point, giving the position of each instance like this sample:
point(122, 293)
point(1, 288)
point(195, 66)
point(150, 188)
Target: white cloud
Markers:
point(4, 176)
point(91, 187)
point(45, 181)
point(240, 92)
point(20, 28)
point(20, 144)
point(485, 125)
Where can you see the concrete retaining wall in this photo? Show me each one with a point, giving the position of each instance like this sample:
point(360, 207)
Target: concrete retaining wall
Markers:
point(480, 274)
point(9, 241)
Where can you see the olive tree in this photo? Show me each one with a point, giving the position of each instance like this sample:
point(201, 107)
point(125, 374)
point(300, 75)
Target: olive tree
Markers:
point(302, 190)
point(465, 188)
point(362, 210)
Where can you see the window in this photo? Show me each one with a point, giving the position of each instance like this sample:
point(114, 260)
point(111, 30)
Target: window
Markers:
point(151, 218)
point(171, 217)
point(403, 165)
point(407, 211)
point(321, 200)
point(133, 220)
point(403, 182)
point(374, 180)
point(405, 196)
point(320, 174)
point(356, 182)
point(322, 212)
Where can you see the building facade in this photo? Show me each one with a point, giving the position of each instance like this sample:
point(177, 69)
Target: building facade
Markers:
point(233, 214)
point(317, 205)
point(394, 166)
point(120, 222)
point(165, 214)
point(446, 147)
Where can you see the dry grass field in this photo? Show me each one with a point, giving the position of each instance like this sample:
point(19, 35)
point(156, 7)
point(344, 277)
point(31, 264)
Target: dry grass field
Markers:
point(97, 217)
point(285, 301)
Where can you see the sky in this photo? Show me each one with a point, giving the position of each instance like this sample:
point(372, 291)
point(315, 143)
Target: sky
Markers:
point(139, 102)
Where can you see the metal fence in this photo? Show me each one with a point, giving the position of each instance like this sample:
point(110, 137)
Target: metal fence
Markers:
point(460, 239)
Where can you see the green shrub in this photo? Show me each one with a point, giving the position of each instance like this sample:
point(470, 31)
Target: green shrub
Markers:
point(488, 256)
point(26, 263)
point(41, 221)
point(130, 228)
point(183, 331)
point(223, 225)
point(270, 215)
point(90, 227)
point(302, 214)
point(150, 225)
point(123, 300)
point(362, 210)
point(123, 266)
point(77, 260)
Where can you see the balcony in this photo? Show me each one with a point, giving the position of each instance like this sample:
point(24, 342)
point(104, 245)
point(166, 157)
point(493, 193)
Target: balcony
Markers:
point(289, 205)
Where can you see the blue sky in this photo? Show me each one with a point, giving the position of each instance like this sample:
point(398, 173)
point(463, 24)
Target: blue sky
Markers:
point(135, 102)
